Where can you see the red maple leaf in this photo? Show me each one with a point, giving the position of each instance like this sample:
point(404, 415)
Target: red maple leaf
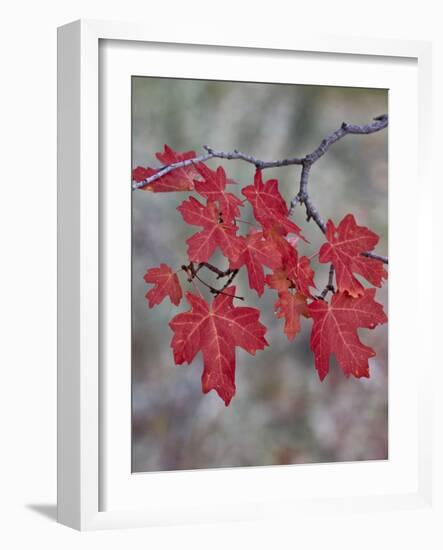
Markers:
point(343, 249)
point(257, 251)
point(216, 233)
point(335, 331)
point(166, 284)
point(299, 271)
point(302, 275)
point(278, 280)
point(268, 205)
point(216, 330)
point(180, 179)
point(293, 272)
point(291, 306)
point(212, 187)
point(277, 235)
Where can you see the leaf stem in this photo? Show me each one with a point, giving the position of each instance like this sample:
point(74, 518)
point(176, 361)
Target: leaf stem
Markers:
point(330, 286)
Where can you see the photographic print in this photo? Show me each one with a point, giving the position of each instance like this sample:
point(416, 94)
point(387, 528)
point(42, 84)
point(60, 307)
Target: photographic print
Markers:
point(259, 274)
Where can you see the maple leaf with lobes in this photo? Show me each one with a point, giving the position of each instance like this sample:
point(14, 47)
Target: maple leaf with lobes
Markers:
point(302, 274)
point(278, 280)
point(212, 186)
point(257, 251)
point(277, 235)
point(343, 249)
point(335, 331)
point(293, 272)
point(216, 232)
point(216, 330)
point(166, 284)
point(291, 306)
point(269, 206)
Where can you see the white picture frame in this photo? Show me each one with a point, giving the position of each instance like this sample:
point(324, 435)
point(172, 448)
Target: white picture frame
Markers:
point(95, 488)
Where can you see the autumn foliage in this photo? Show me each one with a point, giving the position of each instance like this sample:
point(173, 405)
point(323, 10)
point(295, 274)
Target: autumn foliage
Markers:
point(268, 252)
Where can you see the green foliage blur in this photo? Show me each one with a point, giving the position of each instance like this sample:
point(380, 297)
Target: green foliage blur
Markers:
point(281, 413)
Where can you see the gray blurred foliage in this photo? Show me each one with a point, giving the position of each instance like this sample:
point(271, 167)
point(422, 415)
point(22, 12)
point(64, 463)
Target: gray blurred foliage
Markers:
point(281, 413)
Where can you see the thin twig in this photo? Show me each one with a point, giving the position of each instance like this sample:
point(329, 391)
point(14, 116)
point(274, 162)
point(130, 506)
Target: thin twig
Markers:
point(231, 278)
point(375, 257)
point(215, 269)
point(262, 164)
point(330, 286)
point(193, 271)
point(232, 155)
point(379, 123)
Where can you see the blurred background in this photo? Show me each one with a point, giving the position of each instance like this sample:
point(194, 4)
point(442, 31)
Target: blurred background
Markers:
point(281, 413)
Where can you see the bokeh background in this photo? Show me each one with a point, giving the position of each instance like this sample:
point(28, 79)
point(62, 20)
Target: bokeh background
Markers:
point(281, 413)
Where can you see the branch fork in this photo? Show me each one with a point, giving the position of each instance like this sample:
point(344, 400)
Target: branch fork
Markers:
point(192, 273)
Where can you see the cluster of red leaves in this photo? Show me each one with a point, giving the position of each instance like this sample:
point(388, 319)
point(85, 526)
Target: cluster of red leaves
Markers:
point(216, 329)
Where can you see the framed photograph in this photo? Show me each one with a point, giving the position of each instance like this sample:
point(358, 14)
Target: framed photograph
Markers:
point(234, 338)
